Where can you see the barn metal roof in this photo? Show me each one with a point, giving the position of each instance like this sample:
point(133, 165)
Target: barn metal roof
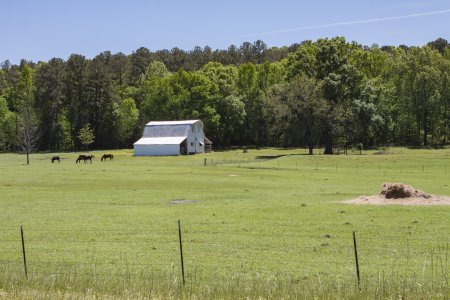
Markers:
point(166, 130)
point(172, 140)
point(184, 122)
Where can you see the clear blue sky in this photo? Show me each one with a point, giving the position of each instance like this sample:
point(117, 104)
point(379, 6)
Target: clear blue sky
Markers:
point(43, 29)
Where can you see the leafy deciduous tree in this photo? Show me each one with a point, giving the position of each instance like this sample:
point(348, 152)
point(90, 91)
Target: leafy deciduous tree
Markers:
point(86, 135)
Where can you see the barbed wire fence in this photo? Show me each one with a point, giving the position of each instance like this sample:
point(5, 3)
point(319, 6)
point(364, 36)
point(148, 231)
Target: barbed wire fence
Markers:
point(301, 165)
point(187, 254)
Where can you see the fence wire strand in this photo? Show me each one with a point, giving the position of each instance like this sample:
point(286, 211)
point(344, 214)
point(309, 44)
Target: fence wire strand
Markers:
point(62, 255)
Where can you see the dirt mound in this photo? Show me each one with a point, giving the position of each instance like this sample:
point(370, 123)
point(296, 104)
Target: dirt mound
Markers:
point(401, 194)
point(400, 191)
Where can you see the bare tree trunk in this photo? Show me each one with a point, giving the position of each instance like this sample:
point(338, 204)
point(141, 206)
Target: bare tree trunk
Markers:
point(446, 124)
point(310, 141)
point(328, 143)
point(310, 149)
point(425, 129)
point(28, 134)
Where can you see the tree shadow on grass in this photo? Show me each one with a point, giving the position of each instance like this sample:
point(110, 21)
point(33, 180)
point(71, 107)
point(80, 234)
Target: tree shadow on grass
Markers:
point(269, 157)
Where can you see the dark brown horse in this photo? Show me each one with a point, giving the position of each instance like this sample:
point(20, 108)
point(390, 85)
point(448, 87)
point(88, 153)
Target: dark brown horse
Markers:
point(85, 158)
point(88, 157)
point(106, 156)
point(55, 158)
point(80, 158)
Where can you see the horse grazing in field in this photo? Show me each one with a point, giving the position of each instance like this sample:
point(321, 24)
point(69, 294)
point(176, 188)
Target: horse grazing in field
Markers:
point(80, 158)
point(88, 157)
point(55, 158)
point(106, 156)
point(84, 158)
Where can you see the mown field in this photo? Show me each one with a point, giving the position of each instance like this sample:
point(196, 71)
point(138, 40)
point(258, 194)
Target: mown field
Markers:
point(266, 224)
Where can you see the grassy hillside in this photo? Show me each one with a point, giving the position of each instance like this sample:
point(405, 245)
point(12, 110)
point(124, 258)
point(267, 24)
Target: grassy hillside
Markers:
point(267, 224)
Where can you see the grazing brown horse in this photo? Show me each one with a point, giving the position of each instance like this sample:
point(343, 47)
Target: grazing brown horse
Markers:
point(80, 157)
point(55, 158)
point(85, 158)
point(106, 156)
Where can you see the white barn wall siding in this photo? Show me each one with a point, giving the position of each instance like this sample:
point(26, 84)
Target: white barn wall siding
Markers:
point(156, 150)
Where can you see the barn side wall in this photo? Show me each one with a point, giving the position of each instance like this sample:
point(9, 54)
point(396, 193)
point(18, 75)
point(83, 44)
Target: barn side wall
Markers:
point(156, 150)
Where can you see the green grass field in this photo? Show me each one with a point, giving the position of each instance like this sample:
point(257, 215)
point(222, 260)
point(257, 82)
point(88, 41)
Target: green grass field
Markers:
point(266, 224)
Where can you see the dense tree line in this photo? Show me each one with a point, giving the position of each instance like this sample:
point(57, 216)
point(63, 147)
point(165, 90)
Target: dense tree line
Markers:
point(326, 92)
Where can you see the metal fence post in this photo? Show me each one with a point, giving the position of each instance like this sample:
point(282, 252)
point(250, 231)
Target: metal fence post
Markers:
point(23, 252)
point(356, 258)
point(181, 251)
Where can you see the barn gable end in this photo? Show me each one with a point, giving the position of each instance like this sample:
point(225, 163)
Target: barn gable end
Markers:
point(171, 138)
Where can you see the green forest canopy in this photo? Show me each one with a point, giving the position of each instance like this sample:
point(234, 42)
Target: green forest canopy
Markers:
point(327, 92)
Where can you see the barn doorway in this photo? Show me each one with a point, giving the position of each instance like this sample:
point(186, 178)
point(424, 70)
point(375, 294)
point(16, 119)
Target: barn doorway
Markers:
point(183, 147)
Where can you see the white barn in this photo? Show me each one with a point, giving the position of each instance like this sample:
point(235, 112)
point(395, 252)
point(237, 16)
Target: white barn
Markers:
point(171, 138)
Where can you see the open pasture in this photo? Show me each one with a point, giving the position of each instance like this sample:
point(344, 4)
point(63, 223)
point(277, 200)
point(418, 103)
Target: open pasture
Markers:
point(268, 223)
